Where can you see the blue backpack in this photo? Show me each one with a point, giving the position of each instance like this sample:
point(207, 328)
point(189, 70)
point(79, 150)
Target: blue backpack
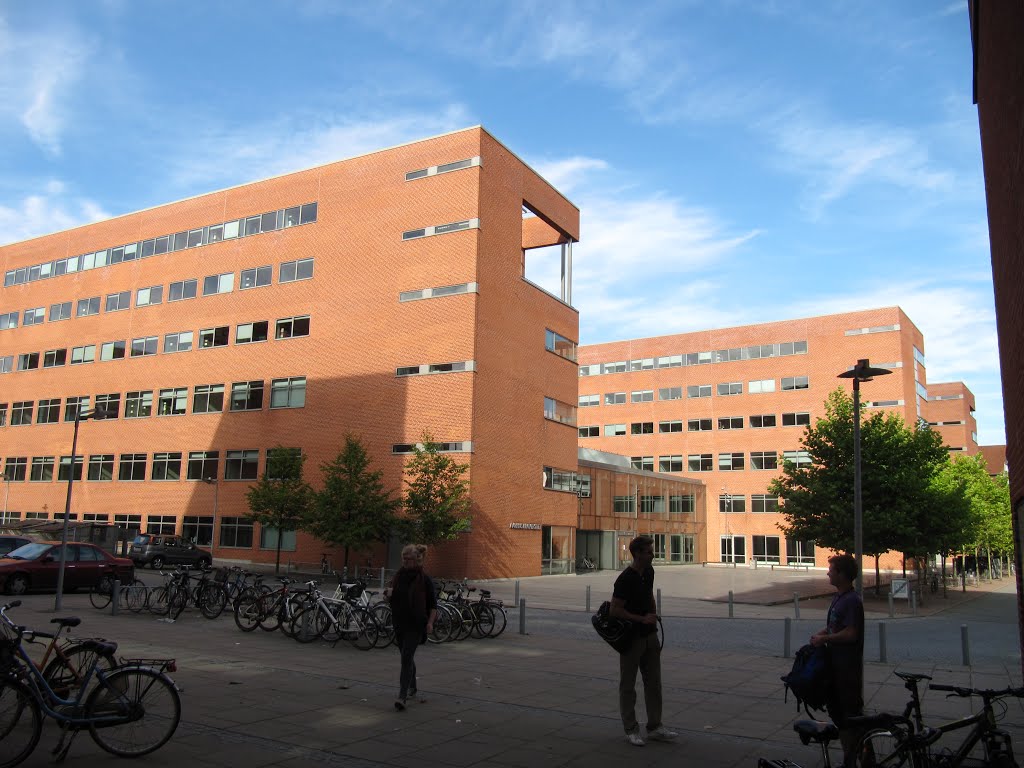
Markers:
point(808, 679)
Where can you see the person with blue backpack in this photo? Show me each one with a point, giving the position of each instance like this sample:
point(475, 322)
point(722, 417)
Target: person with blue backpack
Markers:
point(843, 638)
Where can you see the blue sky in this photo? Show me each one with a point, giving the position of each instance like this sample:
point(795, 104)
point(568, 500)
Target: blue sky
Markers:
point(734, 162)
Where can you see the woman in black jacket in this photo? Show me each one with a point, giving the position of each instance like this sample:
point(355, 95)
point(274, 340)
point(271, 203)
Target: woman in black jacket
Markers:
point(413, 609)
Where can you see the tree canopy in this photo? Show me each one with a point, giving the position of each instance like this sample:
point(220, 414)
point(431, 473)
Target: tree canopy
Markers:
point(436, 499)
point(281, 499)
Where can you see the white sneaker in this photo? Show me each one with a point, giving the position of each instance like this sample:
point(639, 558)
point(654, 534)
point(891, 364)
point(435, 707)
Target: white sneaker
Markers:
point(661, 733)
point(635, 738)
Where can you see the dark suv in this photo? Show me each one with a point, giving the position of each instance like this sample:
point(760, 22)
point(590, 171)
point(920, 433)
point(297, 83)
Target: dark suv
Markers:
point(154, 550)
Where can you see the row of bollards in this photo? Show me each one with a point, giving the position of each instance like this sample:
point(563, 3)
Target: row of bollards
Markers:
point(883, 654)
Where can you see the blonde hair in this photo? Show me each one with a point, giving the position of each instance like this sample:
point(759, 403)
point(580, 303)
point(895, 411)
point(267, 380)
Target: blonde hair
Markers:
point(417, 551)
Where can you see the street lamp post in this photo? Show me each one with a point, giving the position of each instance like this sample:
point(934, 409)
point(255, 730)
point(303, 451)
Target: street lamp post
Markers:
point(80, 415)
point(860, 372)
point(216, 492)
point(7, 492)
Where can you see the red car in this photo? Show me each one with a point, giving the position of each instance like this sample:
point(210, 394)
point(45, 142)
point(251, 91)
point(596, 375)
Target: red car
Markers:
point(35, 566)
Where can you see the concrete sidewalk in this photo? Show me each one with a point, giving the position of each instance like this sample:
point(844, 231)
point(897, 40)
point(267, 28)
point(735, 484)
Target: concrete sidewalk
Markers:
point(259, 699)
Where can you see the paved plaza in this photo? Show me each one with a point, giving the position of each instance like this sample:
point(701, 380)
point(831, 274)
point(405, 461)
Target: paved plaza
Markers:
point(545, 698)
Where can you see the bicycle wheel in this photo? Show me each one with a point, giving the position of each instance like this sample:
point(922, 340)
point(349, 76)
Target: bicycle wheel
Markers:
point(158, 602)
point(309, 624)
point(136, 596)
point(177, 600)
point(21, 722)
point(212, 601)
point(360, 628)
point(270, 617)
point(295, 603)
point(334, 624)
point(500, 619)
point(247, 611)
point(133, 712)
point(880, 749)
point(444, 625)
point(100, 595)
point(67, 670)
point(463, 622)
point(483, 620)
point(385, 624)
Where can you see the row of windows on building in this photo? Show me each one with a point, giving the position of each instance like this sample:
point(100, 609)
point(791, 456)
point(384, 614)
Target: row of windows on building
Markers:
point(246, 226)
point(145, 346)
point(173, 401)
point(153, 295)
point(725, 389)
point(758, 421)
point(755, 352)
point(764, 549)
point(684, 504)
point(727, 462)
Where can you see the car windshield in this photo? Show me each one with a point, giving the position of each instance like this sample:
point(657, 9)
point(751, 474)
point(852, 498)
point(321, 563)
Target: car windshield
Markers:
point(143, 539)
point(28, 551)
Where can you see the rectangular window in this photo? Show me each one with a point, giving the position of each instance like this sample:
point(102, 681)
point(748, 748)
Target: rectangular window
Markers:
point(15, 469)
point(765, 549)
point(161, 525)
point(64, 469)
point(698, 425)
point(762, 421)
point(75, 405)
point(214, 337)
point(181, 290)
point(761, 387)
point(241, 465)
point(202, 465)
point(42, 469)
point(295, 270)
point(87, 307)
point(561, 346)
point(641, 428)
point(247, 396)
point(55, 358)
point(645, 463)
point(132, 467)
point(288, 393)
point(236, 532)
point(109, 404)
point(172, 402)
point(178, 342)
point(29, 361)
point(60, 311)
point(760, 502)
point(796, 419)
point(730, 502)
point(615, 398)
point(101, 467)
point(8, 320)
point(794, 382)
point(614, 430)
point(730, 388)
point(249, 333)
point(117, 302)
point(730, 462)
point(146, 297)
point(3, 414)
point(49, 411)
point(291, 327)
point(556, 410)
point(700, 390)
point(730, 422)
point(653, 505)
point(214, 284)
point(670, 426)
point(642, 396)
point(670, 463)
point(670, 393)
point(589, 401)
point(208, 398)
point(700, 462)
point(166, 466)
point(799, 458)
point(257, 277)
point(6, 363)
point(624, 505)
point(144, 347)
point(799, 552)
point(138, 405)
point(645, 364)
point(764, 460)
point(34, 316)
point(684, 504)
point(593, 431)
point(21, 413)
point(113, 350)
point(82, 355)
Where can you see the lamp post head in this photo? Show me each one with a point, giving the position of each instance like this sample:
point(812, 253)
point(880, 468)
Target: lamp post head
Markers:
point(863, 371)
point(210, 480)
point(96, 414)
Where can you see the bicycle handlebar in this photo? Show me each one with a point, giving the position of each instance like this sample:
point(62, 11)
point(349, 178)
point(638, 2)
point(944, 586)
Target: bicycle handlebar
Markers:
point(988, 693)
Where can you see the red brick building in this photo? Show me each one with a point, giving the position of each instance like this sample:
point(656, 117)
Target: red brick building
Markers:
point(382, 295)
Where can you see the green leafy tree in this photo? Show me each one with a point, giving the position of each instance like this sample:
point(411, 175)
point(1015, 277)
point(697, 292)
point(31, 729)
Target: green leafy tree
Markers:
point(281, 499)
point(436, 501)
point(353, 510)
point(991, 528)
point(897, 466)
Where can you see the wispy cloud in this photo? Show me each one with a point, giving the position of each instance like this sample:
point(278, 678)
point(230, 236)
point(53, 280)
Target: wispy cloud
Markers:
point(50, 210)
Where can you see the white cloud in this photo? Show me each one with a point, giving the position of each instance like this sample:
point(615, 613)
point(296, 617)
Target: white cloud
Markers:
point(48, 211)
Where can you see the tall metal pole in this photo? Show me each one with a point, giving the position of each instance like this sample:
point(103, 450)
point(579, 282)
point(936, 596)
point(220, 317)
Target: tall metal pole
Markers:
point(58, 602)
point(858, 515)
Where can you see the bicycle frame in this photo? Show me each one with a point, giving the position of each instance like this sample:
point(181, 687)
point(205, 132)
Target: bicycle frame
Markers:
point(983, 729)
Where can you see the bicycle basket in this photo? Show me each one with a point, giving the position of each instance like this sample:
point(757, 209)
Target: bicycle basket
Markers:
point(353, 592)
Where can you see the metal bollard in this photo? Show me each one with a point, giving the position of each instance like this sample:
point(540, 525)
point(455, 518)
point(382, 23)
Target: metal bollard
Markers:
point(965, 645)
point(881, 642)
point(382, 577)
point(588, 598)
point(730, 604)
point(516, 600)
point(344, 574)
point(913, 602)
point(659, 601)
point(115, 598)
point(787, 639)
point(892, 607)
point(522, 615)
point(796, 606)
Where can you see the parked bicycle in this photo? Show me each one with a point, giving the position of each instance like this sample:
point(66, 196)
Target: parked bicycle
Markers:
point(334, 620)
point(810, 732)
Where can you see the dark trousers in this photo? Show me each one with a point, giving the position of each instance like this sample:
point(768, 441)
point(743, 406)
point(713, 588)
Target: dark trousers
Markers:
point(408, 642)
point(644, 654)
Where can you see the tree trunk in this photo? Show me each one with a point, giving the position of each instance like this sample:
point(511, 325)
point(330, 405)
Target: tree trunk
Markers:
point(878, 580)
point(277, 563)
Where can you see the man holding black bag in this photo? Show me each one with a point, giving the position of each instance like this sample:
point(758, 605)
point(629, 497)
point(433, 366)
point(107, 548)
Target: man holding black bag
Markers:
point(633, 601)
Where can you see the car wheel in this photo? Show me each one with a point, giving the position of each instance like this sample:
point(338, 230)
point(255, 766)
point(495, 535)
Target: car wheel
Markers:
point(17, 584)
point(157, 563)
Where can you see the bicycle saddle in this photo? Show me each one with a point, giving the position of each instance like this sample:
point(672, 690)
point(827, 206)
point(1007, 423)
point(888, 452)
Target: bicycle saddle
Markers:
point(70, 621)
point(912, 676)
point(816, 731)
point(101, 647)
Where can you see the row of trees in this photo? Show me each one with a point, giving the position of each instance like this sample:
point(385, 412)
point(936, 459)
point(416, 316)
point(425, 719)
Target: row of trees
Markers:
point(353, 509)
point(915, 499)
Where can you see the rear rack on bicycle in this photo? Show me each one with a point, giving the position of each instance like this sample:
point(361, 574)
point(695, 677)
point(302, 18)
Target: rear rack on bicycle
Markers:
point(161, 665)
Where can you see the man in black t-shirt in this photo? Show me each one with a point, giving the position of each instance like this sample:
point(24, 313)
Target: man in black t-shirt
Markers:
point(633, 601)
